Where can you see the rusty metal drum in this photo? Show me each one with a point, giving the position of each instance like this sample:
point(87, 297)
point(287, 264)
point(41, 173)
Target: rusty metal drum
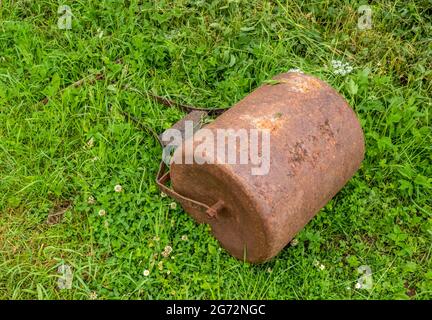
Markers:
point(316, 145)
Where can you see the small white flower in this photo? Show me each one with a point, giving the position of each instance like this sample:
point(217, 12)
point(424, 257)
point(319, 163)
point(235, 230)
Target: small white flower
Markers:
point(342, 68)
point(358, 285)
point(91, 200)
point(163, 195)
point(184, 237)
point(294, 242)
point(319, 265)
point(102, 212)
point(173, 205)
point(118, 188)
point(146, 273)
point(167, 251)
point(295, 70)
point(90, 143)
point(93, 295)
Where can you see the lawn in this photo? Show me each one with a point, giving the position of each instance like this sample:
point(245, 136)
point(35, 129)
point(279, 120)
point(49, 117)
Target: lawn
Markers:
point(65, 145)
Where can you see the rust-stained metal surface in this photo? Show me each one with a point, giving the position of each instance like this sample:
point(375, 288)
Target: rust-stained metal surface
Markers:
point(316, 146)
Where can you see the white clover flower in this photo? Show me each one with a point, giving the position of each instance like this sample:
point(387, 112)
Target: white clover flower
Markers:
point(163, 195)
point(118, 188)
point(93, 295)
point(173, 205)
point(358, 285)
point(167, 251)
point(146, 273)
point(102, 212)
point(184, 237)
point(91, 200)
point(321, 266)
point(294, 242)
point(90, 143)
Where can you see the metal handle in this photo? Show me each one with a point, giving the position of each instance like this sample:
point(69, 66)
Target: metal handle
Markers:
point(163, 177)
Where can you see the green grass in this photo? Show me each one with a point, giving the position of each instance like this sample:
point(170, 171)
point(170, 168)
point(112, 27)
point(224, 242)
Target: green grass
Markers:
point(208, 54)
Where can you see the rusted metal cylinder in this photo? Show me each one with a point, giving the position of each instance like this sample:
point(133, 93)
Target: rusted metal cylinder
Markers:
point(316, 145)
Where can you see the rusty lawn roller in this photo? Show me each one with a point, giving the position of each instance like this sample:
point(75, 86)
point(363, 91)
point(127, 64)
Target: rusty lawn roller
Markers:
point(316, 146)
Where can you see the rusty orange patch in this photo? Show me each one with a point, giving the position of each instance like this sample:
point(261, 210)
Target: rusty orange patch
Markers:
point(301, 84)
point(271, 124)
